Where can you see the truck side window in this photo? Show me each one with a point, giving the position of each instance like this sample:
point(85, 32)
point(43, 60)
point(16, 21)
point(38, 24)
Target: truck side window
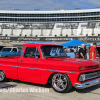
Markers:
point(32, 52)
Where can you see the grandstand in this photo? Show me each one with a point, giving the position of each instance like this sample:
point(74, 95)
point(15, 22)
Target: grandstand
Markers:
point(59, 23)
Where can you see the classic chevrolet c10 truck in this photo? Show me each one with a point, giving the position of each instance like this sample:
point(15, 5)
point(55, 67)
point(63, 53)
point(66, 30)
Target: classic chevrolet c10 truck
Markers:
point(42, 63)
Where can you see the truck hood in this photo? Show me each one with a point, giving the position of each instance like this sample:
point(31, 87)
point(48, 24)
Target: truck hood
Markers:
point(72, 63)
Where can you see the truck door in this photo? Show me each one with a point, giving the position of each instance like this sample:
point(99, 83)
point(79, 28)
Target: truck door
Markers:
point(30, 66)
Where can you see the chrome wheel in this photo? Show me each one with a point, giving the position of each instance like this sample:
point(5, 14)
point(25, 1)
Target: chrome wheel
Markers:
point(59, 82)
point(2, 76)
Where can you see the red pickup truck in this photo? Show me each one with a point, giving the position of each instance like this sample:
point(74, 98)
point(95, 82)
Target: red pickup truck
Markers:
point(42, 63)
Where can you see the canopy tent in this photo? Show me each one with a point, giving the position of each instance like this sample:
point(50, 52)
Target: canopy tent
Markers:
point(74, 42)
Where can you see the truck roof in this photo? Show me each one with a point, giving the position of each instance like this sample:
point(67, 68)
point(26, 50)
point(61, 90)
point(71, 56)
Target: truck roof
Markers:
point(9, 47)
point(40, 44)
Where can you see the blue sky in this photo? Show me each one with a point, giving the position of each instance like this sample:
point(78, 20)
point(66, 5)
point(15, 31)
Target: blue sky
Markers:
point(30, 5)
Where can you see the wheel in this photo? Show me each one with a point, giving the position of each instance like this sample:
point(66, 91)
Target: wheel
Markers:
point(61, 83)
point(2, 76)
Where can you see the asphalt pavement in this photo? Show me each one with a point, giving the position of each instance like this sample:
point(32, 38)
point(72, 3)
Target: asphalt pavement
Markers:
point(17, 90)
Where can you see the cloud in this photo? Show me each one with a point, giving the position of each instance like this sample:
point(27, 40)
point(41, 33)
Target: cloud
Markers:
point(86, 3)
point(33, 4)
point(94, 2)
point(47, 4)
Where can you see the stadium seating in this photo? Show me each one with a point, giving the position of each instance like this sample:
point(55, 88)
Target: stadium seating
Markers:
point(96, 31)
point(46, 32)
point(36, 32)
point(90, 32)
point(50, 32)
point(66, 32)
point(17, 32)
point(82, 26)
point(73, 32)
point(0, 31)
point(84, 32)
point(6, 32)
point(79, 32)
point(26, 32)
point(56, 32)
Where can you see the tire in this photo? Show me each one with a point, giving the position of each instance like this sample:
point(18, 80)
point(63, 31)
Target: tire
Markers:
point(2, 76)
point(61, 83)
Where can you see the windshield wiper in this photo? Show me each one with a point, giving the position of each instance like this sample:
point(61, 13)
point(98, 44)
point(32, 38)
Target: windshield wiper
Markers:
point(54, 56)
point(49, 57)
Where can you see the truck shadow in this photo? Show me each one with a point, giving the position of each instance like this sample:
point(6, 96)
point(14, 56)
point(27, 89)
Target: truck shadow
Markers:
point(88, 90)
point(32, 84)
point(6, 86)
point(48, 85)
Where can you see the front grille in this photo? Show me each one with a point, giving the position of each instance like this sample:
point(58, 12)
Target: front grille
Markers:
point(92, 75)
point(96, 66)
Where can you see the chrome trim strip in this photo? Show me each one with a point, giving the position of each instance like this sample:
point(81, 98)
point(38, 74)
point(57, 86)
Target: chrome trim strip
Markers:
point(8, 65)
point(46, 69)
point(30, 68)
point(38, 68)
point(87, 84)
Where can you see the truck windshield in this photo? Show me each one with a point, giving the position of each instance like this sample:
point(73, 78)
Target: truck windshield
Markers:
point(53, 51)
point(6, 49)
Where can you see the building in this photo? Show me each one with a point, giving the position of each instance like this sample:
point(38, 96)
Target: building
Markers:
point(61, 25)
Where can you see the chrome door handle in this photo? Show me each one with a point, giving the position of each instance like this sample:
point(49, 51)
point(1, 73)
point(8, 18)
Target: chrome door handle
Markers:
point(21, 60)
point(37, 59)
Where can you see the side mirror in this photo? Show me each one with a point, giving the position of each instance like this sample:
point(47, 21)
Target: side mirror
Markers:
point(37, 57)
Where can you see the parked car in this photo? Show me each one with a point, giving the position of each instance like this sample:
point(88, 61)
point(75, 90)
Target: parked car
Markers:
point(10, 51)
point(36, 64)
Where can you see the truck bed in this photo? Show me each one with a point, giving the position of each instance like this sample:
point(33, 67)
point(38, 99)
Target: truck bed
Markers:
point(9, 64)
point(15, 57)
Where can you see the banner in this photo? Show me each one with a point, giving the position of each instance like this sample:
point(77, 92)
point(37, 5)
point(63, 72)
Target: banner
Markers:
point(52, 39)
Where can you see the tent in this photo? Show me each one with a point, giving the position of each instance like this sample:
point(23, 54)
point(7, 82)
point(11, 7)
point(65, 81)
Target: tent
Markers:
point(74, 42)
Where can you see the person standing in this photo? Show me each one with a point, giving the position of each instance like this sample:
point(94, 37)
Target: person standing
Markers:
point(85, 52)
point(81, 53)
point(66, 49)
point(93, 52)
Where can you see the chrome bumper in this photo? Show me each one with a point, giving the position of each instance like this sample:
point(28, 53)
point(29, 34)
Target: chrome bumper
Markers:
point(87, 84)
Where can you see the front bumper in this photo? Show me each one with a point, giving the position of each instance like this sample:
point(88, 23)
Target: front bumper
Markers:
point(87, 84)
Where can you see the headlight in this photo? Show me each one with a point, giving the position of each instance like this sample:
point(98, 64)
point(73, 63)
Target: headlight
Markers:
point(83, 67)
point(82, 77)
